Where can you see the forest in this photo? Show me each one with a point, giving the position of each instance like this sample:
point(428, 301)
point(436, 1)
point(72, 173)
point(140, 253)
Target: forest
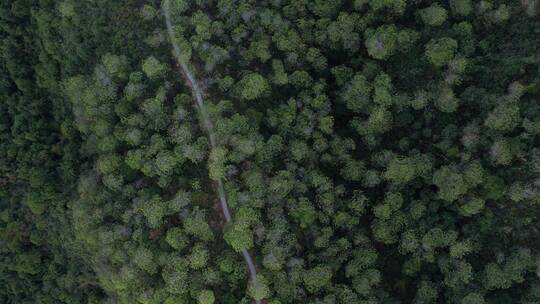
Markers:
point(270, 151)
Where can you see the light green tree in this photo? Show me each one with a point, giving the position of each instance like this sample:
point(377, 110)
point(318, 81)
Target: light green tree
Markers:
point(435, 15)
point(451, 183)
point(258, 289)
point(317, 278)
point(382, 42)
point(461, 7)
point(239, 236)
point(252, 86)
point(206, 297)
point(440, 51)
point(176, 238)
point(153, 68)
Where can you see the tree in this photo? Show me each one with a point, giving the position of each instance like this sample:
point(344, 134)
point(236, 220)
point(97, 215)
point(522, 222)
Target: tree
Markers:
point(177, 281)
point(461, 7)
point(116, 66)
point(353, 170)
point(365, 283)
point(165, 163)
point(357, 93)
point(134, 89)
point(153, 68)
point(363, 259)
point(400, 170)
point(501, 14)
point(216, 165)
point(206, 297)
point(434, 15)
point(258, 289)
point(379, 121)
point(382, 42)
point(148, 12)
point(395, 6)
point(501, 152)
point(426, 293)
point(446, 101)
point(438, 238)
point(108, 163)
point(67, 8)
point(504, 117)
point(154, 209)
point(176, 238)
point(107, 179)
point(451, 184)
point(303, 212)
point(198, 257)
point(197, 225)
point(239, 236)
point(472, 206)
point(252, 86)
point(473, 298)
point(382, 90)
point(144, 259)
point(28, 263)
point(460, 249)
point(392, 202)
point(440, 51)
point(317, 278)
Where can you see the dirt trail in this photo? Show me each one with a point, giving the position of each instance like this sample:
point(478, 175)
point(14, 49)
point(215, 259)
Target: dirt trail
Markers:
point(198, 95)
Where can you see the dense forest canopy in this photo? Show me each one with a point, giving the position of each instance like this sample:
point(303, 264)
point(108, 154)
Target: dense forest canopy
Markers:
point(368, 151)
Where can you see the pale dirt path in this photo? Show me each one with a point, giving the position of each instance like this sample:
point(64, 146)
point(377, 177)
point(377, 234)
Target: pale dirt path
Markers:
point(198, 95)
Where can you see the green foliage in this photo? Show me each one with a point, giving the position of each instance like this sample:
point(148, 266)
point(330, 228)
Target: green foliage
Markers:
point(176, 281)
point(206, 297)
point(446, 101)
point(357, 94)
point(153, 68)
point(154, 209)
point(238, 236)
point(401, 170)
point(504, 117)
point(382, 90)
point(501, 14)
point(28, 263)
point(144, 259)
point(304, 213)
point(473, 298)
point(434, 15)
point(317, 278)
point(198, 257)
point(370, 151)
point(501, 152)
point(395, 6)
point(197, 225)
point(259, 289)
point(461, 7)
point(501, 276)
point(382, 42)
point(176, 238)
point(451, 183)
point(440, 51)
point(472, 206)
point(67, 8)
point(216, 164)
point(252, 86)
point(116, 66)
point(426, 293)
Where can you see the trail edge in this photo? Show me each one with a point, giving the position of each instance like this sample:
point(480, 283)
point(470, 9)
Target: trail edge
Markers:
point(198, 95)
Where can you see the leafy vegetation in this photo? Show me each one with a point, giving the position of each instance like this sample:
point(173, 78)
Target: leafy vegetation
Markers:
point(371, 151)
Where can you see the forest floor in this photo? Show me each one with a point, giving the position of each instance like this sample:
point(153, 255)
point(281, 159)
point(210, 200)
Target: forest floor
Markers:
point(209, 127)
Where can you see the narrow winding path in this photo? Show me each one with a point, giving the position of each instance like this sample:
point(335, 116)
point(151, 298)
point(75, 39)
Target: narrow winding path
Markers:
point(198, 95)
